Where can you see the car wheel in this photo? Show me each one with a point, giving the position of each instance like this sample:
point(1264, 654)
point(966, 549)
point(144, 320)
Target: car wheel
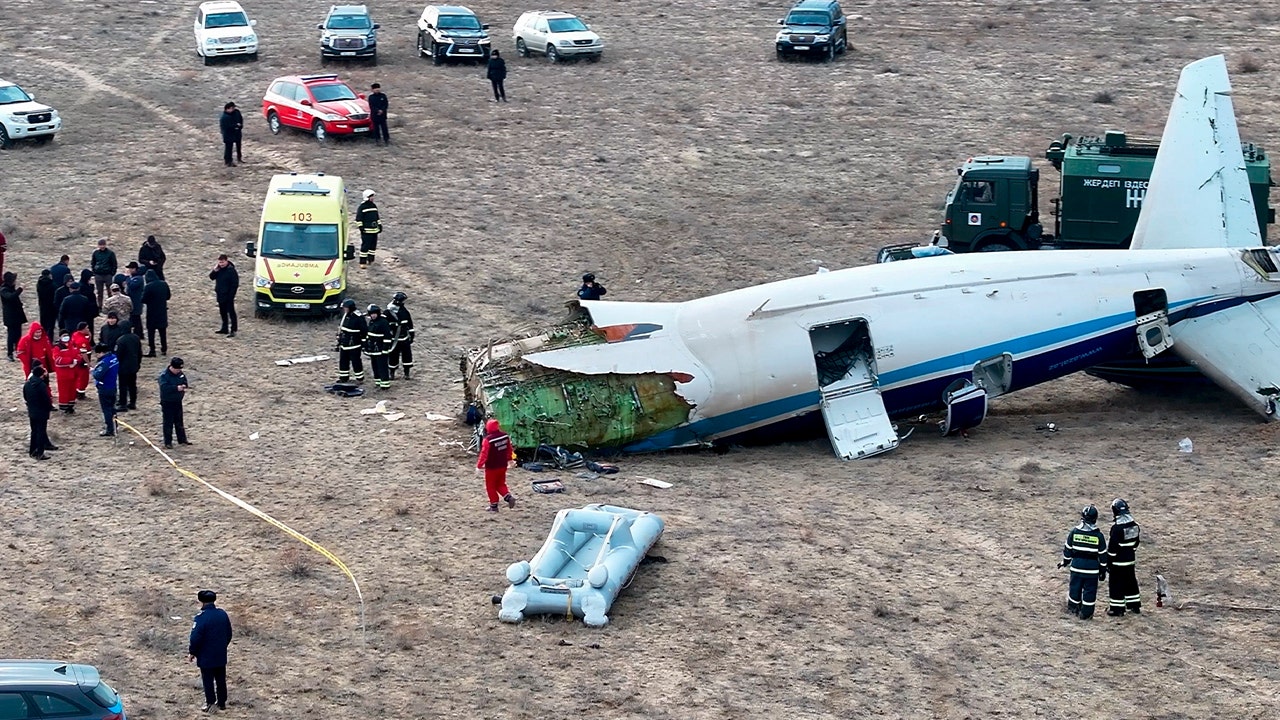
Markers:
point(997, 246)
point(260, 314)
point(831, 52)
point(5, 142)
point(373, 60)
point(521, 49)
point(422, 52)
point(552, 55)
point(253, 57)
point(206, 59)
point(844, 45)
point(273, 122)
point(318, 130)
point(43, 139)
point(593, 58)
point(437, 55)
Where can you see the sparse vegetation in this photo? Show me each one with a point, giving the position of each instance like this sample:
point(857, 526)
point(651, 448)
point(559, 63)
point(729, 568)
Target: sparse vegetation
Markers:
point(1103, 97)
point(297, 562)
point(1248, 64)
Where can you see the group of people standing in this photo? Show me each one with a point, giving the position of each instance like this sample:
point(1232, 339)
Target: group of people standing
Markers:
point(1090, 556)
point(61, 349)
point(386, 337)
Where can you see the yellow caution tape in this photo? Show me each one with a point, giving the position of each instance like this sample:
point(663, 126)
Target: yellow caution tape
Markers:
point(237, 501)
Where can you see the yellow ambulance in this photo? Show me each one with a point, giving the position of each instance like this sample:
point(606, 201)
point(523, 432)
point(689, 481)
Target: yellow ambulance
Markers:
point(302, 250)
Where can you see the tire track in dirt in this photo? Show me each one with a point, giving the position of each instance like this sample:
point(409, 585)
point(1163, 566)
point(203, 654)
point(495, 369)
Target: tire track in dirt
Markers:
point(93, 82)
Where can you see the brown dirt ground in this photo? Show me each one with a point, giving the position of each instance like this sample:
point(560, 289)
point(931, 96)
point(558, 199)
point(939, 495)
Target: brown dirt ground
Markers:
point(920, 584)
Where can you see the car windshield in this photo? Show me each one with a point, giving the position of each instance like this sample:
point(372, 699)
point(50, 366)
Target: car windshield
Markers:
point(349, 22)
point(13, 94)
point(332, 92)
point(226, 19)
point(299, 241)
point(565, 25)
point(808, 18)
point(104, 695)
point(459, 22)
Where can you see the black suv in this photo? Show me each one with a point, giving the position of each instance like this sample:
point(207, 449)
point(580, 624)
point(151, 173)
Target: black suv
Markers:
point(348, 32)
point(813, 27)
point(452, 32)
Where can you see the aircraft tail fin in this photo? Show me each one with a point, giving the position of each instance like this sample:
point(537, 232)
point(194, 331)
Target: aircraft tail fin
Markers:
point(1198, 196)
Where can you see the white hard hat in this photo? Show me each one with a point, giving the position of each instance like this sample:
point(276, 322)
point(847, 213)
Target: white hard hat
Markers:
point(368, 194)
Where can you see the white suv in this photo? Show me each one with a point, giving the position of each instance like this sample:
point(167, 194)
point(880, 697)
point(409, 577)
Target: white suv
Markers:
point(222, 28)
point(22, 117)
point(558, 35)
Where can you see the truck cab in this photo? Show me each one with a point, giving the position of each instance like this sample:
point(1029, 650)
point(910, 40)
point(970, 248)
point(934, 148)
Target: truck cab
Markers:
point(994, 206)
point(301, 254)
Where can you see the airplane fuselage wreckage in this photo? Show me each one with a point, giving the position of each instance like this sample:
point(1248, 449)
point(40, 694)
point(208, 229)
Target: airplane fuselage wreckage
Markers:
point(868, 345)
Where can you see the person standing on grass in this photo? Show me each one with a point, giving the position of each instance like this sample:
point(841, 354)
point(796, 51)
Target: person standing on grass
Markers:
point(82, 342)
point(1085, 553)
point(155, 296)
point(66, 361)
point(370, 227)
point(377, 345)
point(590, 290)
point(39, 406)
point(86, 289)
point(173, 388)
point(495, 455)
point(60, 270)
point(226, 282)
point(1122, 558)
point(133, 287)
point(118, 302)
point(351, 335)
point(35, 348)
point(497, 74)
point(103, 264)
point(45, 289)
point(210, 637)
point(150, 257)
point(378, 106)
point(14, 316)
point(129, 353)
point(231, 124)
point(111, 330)
point(105, 375)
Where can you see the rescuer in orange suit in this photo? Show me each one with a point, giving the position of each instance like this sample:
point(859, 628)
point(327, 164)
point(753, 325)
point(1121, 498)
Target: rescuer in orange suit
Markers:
point(66, 364)
point(82, 341)
point(495, 455)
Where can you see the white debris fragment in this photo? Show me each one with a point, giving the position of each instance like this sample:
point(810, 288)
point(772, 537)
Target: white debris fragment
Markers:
point(379, 409)
point(437, 416)
point(254, 436)
point(662, 484)
point(393, 416)
point(1185, 445)
point(300, 360)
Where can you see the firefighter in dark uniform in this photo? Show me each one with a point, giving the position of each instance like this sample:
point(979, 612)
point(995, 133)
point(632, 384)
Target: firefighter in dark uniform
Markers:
point(1122, 553)
point(370, 226)
point(402, 352)
point(377, 345)
point(1085, 552)
point(350, 342)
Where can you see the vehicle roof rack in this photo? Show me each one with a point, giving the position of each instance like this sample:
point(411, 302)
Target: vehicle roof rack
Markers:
point(303, 187)
point(330, 76)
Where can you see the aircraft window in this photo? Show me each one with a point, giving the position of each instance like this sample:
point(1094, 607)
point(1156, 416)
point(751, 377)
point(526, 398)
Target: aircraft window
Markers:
point(1109, 169)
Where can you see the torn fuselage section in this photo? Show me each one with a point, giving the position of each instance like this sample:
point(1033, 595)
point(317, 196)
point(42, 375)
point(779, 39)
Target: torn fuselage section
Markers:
point(585, 408)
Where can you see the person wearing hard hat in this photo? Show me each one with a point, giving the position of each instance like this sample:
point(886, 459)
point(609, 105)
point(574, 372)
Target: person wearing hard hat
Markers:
point(370, 227)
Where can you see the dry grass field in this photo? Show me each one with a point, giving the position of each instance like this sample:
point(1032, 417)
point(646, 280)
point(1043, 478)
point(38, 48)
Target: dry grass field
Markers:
point(916, 585)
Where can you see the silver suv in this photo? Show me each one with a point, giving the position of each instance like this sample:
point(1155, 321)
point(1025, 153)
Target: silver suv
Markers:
point(45, 688)
point(452, 32)
point(348, 31)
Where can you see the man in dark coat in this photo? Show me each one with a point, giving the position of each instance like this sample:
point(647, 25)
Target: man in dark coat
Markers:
point(378, 106)
point(14, 316)
point(87, 290)
point(129, 353)
point(60, 293)
point(173, 388)
point(45, 288)
point(231, 123)
point(39, 406)
point(226, 281)
point(497, 74)
point(210, 636)
point(151, 256)
point(75, 309)
point(103, 264)
point(155, 296)
point(133, 288)
point(590, 290)
point(60, 270)
point(111, 330)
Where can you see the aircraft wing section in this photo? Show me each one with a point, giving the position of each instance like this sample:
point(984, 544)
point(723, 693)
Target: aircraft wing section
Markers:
point(1198, 196)
point(1239, 349)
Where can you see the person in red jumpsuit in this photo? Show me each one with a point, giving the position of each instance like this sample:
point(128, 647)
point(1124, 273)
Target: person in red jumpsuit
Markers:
point(66, 368)
point(495, 455)
point(35, 345)
point(82, 341)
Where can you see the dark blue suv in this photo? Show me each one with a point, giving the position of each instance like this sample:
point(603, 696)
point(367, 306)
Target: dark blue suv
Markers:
point(50, 689)
point(815, 28)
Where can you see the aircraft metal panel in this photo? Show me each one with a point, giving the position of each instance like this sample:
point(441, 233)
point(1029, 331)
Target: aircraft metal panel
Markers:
point(1239, 349)
point(858, 424)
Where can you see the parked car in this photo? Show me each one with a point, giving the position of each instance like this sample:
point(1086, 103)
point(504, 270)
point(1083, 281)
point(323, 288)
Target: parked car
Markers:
point(49, 689)
point(558, 35)
point(222, 28)
point(320, 104)
point(452, 32)
point(348, 31)
point(22, 117)
point(813, 27)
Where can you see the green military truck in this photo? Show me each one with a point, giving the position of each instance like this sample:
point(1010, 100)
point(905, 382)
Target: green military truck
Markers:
point(995, 202)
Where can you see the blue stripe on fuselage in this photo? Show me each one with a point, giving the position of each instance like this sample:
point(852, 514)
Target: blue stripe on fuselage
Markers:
point(907, 393)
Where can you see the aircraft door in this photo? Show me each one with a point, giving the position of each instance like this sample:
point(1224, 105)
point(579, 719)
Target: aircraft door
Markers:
point(852, 407)
point(966, 406)
point(1151, 310)
point(995, 374)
